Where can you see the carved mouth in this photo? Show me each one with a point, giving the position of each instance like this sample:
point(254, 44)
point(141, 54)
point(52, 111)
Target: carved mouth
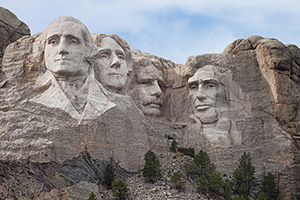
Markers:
point(153, 105)
point(115, 74)
point(61, 59)
point(203, 106)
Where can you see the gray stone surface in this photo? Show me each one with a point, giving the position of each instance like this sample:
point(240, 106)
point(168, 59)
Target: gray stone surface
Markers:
point(252, 106)
point(11, 29)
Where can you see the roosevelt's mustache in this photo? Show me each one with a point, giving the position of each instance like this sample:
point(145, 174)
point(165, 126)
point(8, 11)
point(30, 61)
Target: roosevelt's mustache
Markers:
point(153, 101)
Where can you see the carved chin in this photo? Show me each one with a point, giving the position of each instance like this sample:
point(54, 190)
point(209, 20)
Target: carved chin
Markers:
point(208, 117)
point(151, 110)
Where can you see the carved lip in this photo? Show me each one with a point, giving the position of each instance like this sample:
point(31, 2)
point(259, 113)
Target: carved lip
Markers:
point(153, 105)
point(61, 59)
point(115, 74)
point(203, 106)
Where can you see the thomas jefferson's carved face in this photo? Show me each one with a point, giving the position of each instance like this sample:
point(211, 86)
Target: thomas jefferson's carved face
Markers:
point(65, 49)
point(148, 90)
point(202, 91)
point(112, 66)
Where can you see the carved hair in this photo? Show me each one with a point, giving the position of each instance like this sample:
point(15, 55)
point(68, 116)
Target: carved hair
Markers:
point(144, 62)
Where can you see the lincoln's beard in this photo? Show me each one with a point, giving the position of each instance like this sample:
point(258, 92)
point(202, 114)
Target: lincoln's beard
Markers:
point(208, 116)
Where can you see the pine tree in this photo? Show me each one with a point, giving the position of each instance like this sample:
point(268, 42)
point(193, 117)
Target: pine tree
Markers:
point(92, 196)
point(228, 189)
point(151, 170)
point(177, 180)
point(173, 147)
point(269, 187)
point(202, 184)
point(262, 196)
point(120, 190)
point(201, 165)
point(243, 176)
point(208, 180)
point(109, 175)
point(215, 182)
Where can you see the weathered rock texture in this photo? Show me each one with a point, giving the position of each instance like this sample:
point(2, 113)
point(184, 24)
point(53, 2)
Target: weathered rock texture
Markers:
point(11, 29)
point(45, 153)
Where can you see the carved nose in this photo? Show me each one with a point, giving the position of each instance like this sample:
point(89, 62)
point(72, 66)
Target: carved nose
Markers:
point(200, 94)
point(156, 89)
point(116, 64)
point(63, 50)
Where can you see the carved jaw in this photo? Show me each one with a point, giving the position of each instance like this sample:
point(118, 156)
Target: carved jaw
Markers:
point(206, 116)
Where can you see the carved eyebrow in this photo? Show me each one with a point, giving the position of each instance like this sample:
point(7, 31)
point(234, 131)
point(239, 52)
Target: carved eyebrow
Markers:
point(142, 80)
point(208, 81)
point(120, 52)
point(53, 37)
point(101, 51)
point(191, 82)
point(70, 37)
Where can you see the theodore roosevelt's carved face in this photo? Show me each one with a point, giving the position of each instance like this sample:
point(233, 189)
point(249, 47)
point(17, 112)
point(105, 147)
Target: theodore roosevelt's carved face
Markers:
point(148, 90)
point(65, 49)
point(202, 92)
point(112, 66)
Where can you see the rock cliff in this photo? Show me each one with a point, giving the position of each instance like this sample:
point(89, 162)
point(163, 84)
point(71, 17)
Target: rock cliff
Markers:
point(60, 127)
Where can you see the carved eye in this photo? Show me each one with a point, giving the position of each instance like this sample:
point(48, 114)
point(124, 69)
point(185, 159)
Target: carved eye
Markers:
point(74, 41)
point(53, 41)
point(210, 86)
point(104, 56)
point(193, 86)
point(121, 56)
point(145, 82)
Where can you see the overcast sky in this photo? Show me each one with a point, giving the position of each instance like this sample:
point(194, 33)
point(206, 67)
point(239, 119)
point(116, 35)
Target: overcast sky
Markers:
point(172, 29)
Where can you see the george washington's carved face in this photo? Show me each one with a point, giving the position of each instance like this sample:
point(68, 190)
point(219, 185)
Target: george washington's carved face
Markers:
point(65, 49)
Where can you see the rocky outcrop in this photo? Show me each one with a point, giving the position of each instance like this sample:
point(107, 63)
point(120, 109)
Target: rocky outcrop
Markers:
point(11, 29)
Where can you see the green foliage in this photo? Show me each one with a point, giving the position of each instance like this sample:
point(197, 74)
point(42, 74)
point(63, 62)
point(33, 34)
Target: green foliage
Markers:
point(228, 189)
point(169, 137)
point(151, 170)
point(191, 169)
point(243, 191)
point(208, 180)
point(269, 187)
point(215, 182)
point(201, 165)
point(187, 151)
point(280, 197)
point(202, 184)
point(119, 188)
point(238, 197)
point(92, 196)
point(177, 180)
point(262, 196)
point(243, 176)
point(109, 175)
point(173, 147)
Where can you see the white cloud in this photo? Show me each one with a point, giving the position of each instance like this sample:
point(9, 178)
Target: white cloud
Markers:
point(174, 29)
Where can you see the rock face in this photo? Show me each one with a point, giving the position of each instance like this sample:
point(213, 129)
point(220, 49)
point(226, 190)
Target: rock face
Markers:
point(62, 121)
point(11, 29)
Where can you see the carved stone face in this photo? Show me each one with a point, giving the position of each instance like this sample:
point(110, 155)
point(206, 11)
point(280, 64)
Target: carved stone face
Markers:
point(112, 66)
point(202, 92)
point(65, 49)
point(148, 90)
